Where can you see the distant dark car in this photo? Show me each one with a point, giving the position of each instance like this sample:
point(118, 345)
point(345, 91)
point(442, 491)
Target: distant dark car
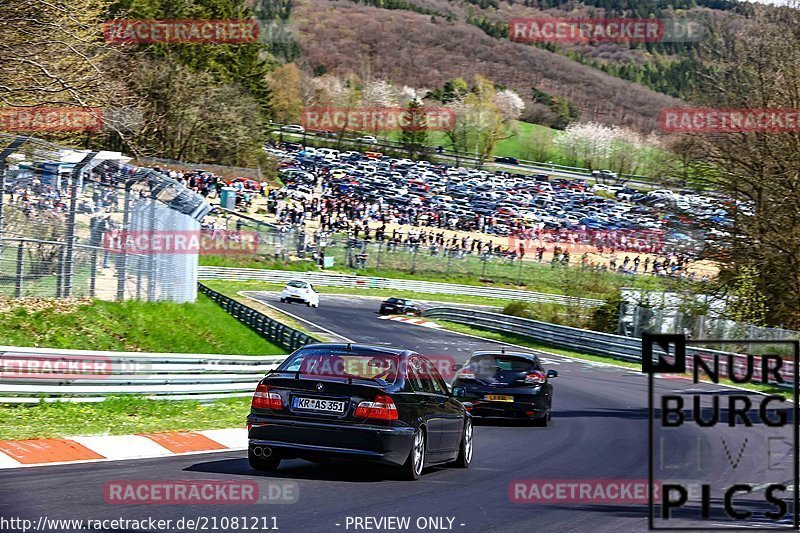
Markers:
point(503, 384)
point(399, 306)
point(507, 160)
point(357, 402)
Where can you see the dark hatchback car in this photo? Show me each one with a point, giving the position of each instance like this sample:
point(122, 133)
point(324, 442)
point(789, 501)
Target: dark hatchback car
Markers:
point(399, 306)
point(503, 384)
point(357, 402)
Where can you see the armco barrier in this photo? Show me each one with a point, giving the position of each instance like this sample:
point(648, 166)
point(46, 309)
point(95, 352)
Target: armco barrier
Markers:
point(30, 375)
point(432, 287)
point(580, 340)
point(284, 336)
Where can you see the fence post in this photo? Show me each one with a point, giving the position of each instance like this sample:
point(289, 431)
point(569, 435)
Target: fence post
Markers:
point(69, 265)
point(60, 272)
point(380, 247)
point(151, 258)
point(10, 149)
point(122, 260)
point(414, 260)
point(93, 273)
point(20, 269)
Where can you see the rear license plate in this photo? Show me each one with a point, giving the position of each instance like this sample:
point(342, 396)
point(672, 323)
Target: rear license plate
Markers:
point(315, 404)
point(499, 398)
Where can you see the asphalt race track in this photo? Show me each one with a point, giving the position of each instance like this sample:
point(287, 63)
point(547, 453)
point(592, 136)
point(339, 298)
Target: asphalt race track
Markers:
point(599, 431)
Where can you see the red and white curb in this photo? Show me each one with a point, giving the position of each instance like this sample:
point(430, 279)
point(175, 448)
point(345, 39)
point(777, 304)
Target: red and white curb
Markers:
point(411, 320)
point(37, 452)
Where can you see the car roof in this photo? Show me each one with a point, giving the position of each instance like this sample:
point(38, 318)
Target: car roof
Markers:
point(359, 349)
point(530, 356)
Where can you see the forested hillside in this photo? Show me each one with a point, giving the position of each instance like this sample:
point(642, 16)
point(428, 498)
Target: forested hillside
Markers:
point(420, 50)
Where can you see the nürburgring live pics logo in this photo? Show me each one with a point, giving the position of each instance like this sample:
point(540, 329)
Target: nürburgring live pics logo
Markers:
point(723, 458)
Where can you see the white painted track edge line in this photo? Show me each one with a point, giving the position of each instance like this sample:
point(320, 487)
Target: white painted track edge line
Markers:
point(300, 319)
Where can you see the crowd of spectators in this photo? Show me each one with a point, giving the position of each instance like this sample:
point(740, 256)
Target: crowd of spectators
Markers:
point(337, 202)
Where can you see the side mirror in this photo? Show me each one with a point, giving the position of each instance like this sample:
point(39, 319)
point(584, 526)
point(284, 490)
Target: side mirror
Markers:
point(552, 374)
point(456, 368)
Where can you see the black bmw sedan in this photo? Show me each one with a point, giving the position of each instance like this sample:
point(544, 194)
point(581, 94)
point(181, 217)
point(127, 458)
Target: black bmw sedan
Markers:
point(357, 402)
point(400, 306)
point(504, 384)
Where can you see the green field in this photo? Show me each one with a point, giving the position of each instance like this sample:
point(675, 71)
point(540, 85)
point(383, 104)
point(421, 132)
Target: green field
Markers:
point(201, 327)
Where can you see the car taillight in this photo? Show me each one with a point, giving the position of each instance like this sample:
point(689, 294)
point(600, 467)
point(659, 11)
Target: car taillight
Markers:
point(381, 408)
point(535, 377)
point(266, 399)
point(466, 372)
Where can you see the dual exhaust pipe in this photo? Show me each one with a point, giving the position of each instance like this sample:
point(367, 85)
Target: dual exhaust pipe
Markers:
point(262, 451)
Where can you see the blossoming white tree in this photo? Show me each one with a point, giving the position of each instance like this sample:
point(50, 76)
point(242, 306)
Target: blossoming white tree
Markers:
point(509, 103)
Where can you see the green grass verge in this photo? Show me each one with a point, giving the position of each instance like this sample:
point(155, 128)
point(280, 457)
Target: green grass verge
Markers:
point(528, 343)
point(119, 416)
point(200, 327)
point(537, 277)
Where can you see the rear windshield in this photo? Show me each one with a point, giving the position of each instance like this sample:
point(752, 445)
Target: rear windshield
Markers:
point(297, 284)
point(381, 367)
point(489, 364)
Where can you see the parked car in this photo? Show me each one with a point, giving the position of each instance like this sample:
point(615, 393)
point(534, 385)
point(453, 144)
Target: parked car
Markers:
point(360, 403)
point(292, 147)
point(503, 384)
point(300, 291)
point(400, 306)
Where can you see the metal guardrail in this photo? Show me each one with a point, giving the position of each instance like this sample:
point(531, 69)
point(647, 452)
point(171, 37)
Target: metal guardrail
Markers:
point(31, 375)
point(284, 336)
point(579, 340)
point(364, 282)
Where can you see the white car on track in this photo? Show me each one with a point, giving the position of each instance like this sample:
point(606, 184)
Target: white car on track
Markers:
point(300, 291)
